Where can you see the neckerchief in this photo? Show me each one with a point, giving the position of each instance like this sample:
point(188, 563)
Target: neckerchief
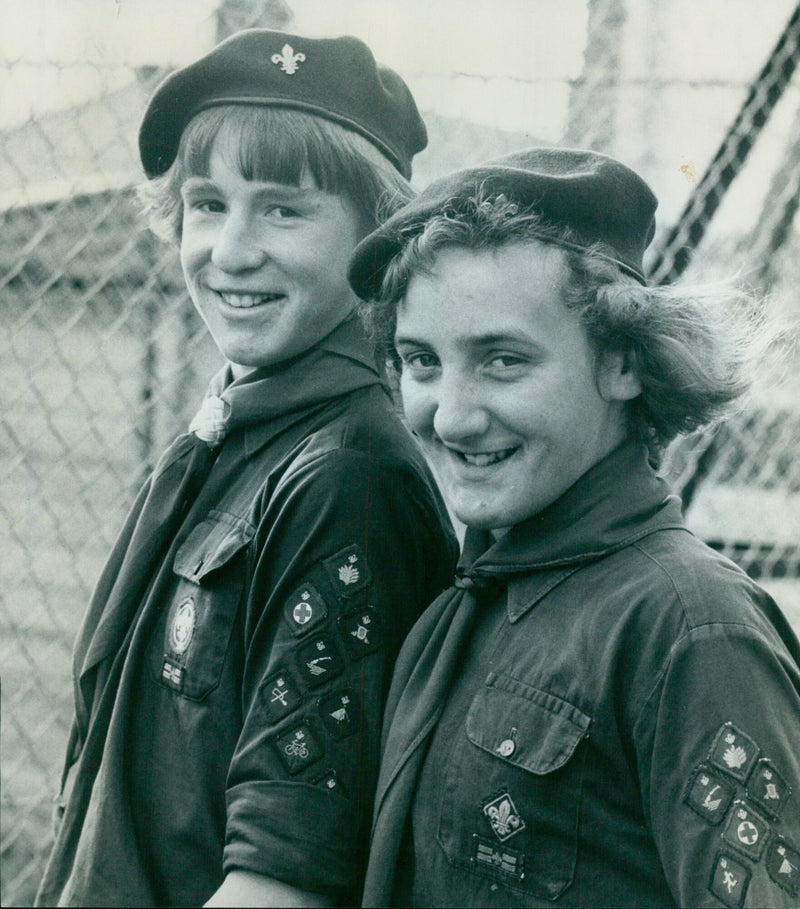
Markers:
point(616, 502)
point(339, 364)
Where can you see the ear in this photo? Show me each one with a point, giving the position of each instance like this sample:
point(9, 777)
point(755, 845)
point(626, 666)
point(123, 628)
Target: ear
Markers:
point(617, 379)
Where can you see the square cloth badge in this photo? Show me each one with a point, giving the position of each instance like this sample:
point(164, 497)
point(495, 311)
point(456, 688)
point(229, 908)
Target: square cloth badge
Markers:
point(783, 865)
point(319, 660)
point(746, 831)
point(709, 794)
point(305, 609)
point(768, 789)
point(347, 571)
point(729, 881)
point(361, 632)
point(280, 695)
point(503, 817)
point(339, 713)
point(298, 748)
point(734, 752)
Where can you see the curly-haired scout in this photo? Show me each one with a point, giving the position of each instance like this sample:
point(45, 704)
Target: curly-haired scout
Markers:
point(602, 711)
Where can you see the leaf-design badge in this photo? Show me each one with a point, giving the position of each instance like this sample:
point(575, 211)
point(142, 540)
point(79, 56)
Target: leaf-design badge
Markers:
point(735, 756)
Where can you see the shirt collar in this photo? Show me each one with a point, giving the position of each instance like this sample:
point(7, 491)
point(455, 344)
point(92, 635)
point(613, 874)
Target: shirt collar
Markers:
point(618, 501)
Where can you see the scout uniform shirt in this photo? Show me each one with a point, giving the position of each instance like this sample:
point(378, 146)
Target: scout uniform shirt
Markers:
point(609, 715)
point(233, 665)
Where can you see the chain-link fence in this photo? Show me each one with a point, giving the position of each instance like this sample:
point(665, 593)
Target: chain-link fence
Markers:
point(104, 360)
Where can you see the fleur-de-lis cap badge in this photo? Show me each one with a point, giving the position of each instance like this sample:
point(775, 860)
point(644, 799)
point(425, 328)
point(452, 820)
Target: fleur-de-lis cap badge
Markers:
point(288, 60)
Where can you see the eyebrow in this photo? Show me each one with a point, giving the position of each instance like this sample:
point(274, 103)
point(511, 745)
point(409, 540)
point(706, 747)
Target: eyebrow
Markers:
point(278, 191)
point(488, 340)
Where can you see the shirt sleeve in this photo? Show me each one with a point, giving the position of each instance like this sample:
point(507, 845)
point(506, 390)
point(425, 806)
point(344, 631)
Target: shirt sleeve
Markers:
point(720, 768)
point(349, 553)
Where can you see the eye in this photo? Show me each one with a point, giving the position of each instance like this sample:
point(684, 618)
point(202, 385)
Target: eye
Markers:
point(505, 360)
point(419, 363)
point(210, 206)
point(282, 212)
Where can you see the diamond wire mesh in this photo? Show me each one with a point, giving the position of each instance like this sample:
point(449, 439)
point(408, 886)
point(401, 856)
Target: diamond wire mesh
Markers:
point(103, 361)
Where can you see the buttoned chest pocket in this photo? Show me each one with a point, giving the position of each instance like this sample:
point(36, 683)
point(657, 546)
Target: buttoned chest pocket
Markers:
point(511, 800)
point(193, 635)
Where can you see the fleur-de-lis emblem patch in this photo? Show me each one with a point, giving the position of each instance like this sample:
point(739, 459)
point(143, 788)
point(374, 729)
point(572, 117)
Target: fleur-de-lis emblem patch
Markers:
point(503, 816)
point(288, 60)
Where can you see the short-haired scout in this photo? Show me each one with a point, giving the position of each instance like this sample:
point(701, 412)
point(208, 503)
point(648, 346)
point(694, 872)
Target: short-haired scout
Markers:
point(602, 711)
point(232, 668)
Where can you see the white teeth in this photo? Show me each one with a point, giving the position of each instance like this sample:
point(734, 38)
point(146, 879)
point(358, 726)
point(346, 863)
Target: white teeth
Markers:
point(246, 301)
point(484, 460)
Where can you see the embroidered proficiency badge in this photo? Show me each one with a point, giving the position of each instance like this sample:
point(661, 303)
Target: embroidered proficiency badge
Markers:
point(361, 632)
point(734, 752)
point(319, 660)
point(305, 609)
point(729, 881)
point(503, 816)
point(783, 865)
point(348, 571)
point(298, 748)
point(746, 830)
point(499, 861)
point(768, 789)
point(280, 696)
point(288, 60)
point(709, 794)
point(181, 630)
point(338, 713)
point(331, 782)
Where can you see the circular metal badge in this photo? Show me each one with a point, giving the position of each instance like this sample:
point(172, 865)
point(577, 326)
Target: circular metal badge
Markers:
point(181, 631)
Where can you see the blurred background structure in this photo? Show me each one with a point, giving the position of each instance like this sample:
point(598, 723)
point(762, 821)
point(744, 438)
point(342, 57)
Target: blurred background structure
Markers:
point(104, 360)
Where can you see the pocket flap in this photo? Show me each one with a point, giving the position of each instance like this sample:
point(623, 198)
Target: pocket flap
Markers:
point(211, 545)
point(525, 726)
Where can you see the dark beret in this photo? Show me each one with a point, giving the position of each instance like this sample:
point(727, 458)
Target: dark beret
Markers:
point(334, 78)
point(602, 200)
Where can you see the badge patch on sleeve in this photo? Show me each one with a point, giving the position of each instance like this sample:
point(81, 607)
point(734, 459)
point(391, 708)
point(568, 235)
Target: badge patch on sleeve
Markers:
point(319, 660)
point(783, 865)
point(734, 752)
point(338, 713)
point(729, 881)
point(746, 830)
point(503, 816)
point(347, 571)
point(280, 696)
point(499, 861)
point(305, 609)
point(361, 632)
point(330, 781)
point(709, 794)
point(768, 789)
point(298, 748)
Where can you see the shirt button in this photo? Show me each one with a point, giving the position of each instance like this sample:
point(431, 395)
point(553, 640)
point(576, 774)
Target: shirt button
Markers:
point(506, 748)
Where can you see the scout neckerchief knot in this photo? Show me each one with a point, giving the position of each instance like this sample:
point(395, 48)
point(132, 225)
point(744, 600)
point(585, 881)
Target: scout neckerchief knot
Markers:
point(339, 364)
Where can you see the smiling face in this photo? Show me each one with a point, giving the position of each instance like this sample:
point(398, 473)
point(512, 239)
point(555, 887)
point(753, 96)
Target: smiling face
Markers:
point(500, 382)
point(265, 263)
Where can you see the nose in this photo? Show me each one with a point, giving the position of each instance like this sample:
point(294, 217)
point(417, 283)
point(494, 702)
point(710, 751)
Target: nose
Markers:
point(460, 413)
point(237, 246)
